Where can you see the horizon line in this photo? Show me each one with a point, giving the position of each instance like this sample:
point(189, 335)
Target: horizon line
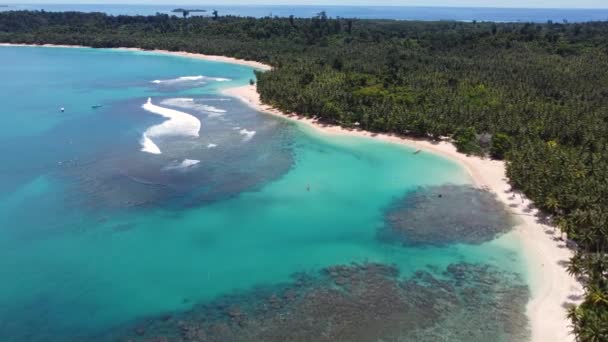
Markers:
point(303, 5)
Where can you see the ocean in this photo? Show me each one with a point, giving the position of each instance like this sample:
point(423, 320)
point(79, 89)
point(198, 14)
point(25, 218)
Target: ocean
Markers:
point(138, 203)
point(536, 15)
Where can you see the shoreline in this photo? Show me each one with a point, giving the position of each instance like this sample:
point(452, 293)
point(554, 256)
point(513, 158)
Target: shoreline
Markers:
point(550, 284)
point(209, 58)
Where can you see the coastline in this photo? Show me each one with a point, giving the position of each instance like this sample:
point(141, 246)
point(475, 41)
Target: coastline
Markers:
point(544, 253)
point(210, 58)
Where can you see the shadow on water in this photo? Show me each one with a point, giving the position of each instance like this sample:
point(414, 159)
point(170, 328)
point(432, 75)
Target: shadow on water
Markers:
point(356, 302)
point(443, 215)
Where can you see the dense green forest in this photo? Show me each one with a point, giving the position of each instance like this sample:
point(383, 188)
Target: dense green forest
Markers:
point(533, 94)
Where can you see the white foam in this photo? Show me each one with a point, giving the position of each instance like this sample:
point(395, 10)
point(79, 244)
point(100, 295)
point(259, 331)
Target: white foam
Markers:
point(180, 80)
point(212, 109)
point(211, 146)
point(147, 145)
point(200, 79)
point(189, 162)
point(188, 103)
point(177, 101)
point(248, 135)
point(214, 115)
point(178, 123)
point(216, 100)
point(185, 164)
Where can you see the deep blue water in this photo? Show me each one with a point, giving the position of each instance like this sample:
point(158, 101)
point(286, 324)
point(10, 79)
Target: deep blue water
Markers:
point(365, 12)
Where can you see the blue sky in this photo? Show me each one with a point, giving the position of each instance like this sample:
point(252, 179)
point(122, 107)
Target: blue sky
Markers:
point(465, 3)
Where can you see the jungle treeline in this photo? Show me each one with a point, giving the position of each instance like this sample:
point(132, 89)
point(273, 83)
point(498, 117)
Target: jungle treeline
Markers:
point(533, 94)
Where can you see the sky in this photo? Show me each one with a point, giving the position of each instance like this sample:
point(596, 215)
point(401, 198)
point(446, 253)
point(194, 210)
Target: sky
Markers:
point(457, 3)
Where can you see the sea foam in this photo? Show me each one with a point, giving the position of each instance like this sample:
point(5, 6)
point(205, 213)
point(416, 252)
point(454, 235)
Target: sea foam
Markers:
point(184, 164)
point(178, 124)
point(200, 79)
point(247, 135)
point(147, 145)
point(188, 103)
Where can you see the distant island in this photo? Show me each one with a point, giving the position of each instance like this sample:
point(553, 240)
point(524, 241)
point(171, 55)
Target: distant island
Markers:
point(178, 10)
point(186, 12)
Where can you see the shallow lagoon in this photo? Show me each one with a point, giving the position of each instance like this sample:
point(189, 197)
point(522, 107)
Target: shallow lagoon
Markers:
point(97, 236)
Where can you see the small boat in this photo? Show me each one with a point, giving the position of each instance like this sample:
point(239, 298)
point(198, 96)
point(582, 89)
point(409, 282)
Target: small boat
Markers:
point(417, 151)
point(62, 109)
point(96, 106)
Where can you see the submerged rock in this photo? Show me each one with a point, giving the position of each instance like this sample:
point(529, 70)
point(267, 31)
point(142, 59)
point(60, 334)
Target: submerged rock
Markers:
point(445, 215)
point(465, 302)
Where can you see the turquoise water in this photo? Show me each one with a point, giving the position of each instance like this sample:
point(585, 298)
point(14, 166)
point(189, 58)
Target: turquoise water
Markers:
point(95, 233)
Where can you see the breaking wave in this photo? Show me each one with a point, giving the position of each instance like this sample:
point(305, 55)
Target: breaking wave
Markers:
point(188, 103)
point(216, 100)
point(200, 79)
point(184, 164)
point(178, 124)
point(247, 135)
point(148, 146)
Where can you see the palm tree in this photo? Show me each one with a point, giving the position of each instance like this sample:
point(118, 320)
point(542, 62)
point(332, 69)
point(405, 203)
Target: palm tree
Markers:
point(587, 324)
point(574, 315)
point(597, 295)
point(552, 204)
point(576, 265)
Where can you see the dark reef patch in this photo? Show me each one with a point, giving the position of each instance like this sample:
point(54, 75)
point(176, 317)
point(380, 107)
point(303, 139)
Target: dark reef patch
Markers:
point(121, 176)
point(358, 302)
point(447, 214)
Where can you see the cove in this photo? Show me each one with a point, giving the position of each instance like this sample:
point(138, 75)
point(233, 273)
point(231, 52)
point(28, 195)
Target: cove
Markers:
point(101, 240)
